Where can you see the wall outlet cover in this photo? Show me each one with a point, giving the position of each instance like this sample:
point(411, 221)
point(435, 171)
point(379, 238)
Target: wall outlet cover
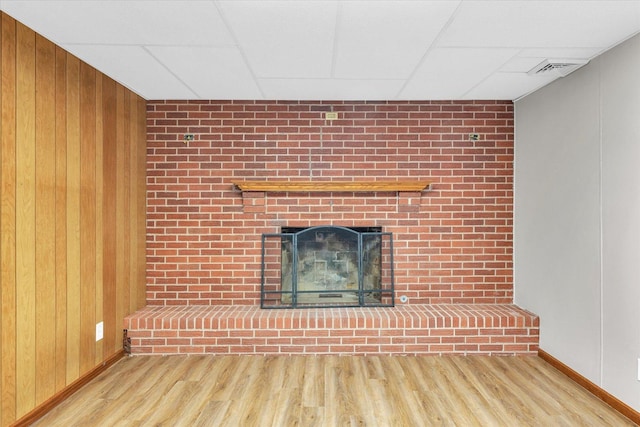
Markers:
point(99, 331)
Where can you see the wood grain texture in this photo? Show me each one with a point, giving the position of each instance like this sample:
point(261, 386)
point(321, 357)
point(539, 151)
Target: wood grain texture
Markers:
point(108, 235)
point(25, 220)
point(87, 216)
point(61, 396)
point(73, 220)
point(53, 134)
point(1, 224)
point(312, 186)
point(61, 219)
point(45, 221)
point(603, 395)
point(140, 281)
point(99, 185)
point(332, 390)
point(137, 193)
point(122, 208)
point(8, 221)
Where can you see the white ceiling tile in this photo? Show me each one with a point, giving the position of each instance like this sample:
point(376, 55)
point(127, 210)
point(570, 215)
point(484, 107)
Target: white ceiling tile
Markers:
point(454, 71)
point(210, 72)
point(528, 23)
point(574, 53)
point(529, 58)
point(284, 38)
point(508, 86)
point(155, 83)
point(521, 65)
point(294, 61)
point(330, 89)
point(340, 49)
point(387, 39)
point(124, 22)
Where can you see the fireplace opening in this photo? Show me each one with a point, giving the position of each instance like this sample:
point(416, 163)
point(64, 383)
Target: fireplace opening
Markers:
point(327, 266)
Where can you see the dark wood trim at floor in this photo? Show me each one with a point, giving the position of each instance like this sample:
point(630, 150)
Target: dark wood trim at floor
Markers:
point(594, 389)
point(41, 410)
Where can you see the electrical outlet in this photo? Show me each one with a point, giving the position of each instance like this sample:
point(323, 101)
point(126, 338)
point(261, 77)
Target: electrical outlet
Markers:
point(99, 331)
point(330, 115)
point(638, 369)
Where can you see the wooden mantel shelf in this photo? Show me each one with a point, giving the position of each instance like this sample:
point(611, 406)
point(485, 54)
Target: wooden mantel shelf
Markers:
point(347, 186)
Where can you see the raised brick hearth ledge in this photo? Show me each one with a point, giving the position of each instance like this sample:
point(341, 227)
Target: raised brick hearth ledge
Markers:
point(490, 329)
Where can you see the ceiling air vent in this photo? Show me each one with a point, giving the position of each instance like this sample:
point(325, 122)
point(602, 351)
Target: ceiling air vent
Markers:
point(561, 67)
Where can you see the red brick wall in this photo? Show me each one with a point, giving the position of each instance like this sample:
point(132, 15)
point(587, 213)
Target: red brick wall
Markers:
point(452, 244)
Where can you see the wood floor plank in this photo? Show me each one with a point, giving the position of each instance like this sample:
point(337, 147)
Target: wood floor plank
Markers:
point(156, 385)
point(332, 391)
point(426, 391)
point(339, 401)
point(399, 388)
point(313, 387)
point(516, 371)
point(483, 391)
point(212, 414)
point(513, 399)
point(453, 394)
point(286, 410)
point(572, 401)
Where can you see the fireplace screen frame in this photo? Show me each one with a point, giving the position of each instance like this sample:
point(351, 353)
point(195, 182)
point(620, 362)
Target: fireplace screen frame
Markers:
point(285, 276)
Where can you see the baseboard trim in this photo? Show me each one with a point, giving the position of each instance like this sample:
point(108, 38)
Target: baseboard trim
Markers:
point(600, 393)
point(42, 409)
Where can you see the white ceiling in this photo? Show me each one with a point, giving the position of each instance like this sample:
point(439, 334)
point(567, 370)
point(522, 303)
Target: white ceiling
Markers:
point(329, 50)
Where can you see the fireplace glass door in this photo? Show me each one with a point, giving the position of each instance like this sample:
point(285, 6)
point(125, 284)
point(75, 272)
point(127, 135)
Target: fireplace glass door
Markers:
point(327, 266)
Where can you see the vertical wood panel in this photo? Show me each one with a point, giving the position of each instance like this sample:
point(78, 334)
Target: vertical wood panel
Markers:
point(73, 219)
point(45, 220)
point(109, 214)
point(133, 192)
point(121, 217)
point(2, 207)
point(99, 301)
point(87, 217)
point(125, 187)
point(133, 203)
point(8, 222)
point(61, 219)
point(141, 217)
point(1, 223)
point(25, 220)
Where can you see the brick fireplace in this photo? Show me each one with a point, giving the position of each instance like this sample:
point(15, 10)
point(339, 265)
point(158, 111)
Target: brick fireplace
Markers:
point(452, 242)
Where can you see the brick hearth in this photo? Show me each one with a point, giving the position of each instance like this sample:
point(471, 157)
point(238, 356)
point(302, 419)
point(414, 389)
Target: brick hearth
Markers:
point(493, 329)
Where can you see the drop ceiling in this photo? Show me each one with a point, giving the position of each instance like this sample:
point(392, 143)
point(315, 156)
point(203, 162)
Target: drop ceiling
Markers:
point(330, 50)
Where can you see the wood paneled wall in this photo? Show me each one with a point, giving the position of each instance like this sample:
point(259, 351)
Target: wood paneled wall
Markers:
point(72, 209)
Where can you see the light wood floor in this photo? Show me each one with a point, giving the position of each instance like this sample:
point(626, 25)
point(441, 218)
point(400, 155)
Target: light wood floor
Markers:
point(332, 391)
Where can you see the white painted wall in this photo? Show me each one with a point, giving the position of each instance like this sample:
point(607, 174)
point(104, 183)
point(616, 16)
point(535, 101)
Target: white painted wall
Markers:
point(577, 218)
point(620, 88)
